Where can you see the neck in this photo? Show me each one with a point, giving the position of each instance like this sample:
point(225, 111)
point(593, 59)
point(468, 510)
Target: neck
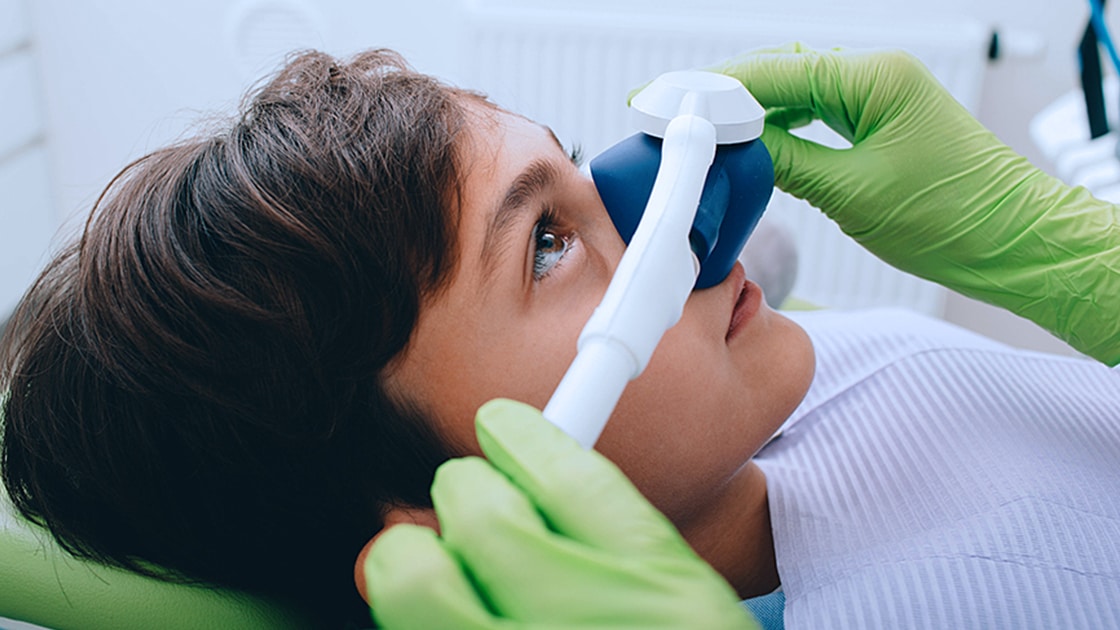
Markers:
point(733, 534)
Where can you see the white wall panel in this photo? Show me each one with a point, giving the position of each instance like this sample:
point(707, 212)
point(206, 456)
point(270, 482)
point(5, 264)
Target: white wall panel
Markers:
point(26, 224)
point(20, 118)
point(13, 25)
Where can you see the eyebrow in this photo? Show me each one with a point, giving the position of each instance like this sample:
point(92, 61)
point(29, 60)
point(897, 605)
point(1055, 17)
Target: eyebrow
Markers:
point(529, 184)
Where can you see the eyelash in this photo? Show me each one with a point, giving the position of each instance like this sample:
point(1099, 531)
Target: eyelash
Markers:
point(547, 224)
point(575, 154)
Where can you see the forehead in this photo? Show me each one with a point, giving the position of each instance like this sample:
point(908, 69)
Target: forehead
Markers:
point(501, 140)
point(499, 147)
point(494, 148)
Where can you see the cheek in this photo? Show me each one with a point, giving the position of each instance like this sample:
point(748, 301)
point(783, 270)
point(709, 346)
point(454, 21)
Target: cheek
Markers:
point(526, 364)
point(701, 410)
point(522, 358)
point(678, 429)
point(470, 350)
point(528, 352)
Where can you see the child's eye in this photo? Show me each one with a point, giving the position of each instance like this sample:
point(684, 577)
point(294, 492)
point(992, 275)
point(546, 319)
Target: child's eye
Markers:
point(548, 247)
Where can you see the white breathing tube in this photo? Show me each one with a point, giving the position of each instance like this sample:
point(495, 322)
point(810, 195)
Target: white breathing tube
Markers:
point(648, 291)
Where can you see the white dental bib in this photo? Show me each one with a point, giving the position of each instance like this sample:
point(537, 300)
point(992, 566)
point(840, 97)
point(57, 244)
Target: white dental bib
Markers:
point(932, 478)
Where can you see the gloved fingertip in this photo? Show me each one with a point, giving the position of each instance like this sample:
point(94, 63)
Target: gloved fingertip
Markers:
point(471, 495)
point(414, 581)
point(454, 470)
point(508, 425)
point(504, 407)
point(403, 556)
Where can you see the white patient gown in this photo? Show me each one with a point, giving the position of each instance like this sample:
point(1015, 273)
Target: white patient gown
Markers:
point(935, 479)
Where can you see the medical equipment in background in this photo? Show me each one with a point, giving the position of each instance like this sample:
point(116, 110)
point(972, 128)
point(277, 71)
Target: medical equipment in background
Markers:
point(684, 193)
point(1089, 58)
point(1077, 133)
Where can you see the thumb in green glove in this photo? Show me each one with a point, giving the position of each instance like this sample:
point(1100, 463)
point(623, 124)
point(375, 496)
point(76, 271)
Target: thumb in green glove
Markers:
point(543, 535)
point(928, 189)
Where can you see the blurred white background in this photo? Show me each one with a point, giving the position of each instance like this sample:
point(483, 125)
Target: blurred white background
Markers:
point(86, 87)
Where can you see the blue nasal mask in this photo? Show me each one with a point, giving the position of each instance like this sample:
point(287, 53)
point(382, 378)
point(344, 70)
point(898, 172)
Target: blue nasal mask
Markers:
point(684, 193)
point(735, 193)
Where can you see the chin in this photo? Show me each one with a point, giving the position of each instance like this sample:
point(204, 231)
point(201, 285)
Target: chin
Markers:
point(792, 370)
point(805, 355)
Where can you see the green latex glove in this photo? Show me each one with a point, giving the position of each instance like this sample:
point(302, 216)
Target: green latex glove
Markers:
point(931, 191)
point(543, 535)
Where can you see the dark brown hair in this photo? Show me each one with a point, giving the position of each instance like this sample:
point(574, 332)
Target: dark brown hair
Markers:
point(195, 387)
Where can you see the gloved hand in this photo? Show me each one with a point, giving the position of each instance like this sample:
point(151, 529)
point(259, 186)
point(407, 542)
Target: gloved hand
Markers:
point(931, 191)
point(544, 535)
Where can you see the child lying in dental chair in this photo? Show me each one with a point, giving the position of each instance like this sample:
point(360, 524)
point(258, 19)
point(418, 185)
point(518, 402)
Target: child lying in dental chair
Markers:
point(268, 338)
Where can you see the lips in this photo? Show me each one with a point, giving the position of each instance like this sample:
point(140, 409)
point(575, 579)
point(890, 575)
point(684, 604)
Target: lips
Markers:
point(746, 305)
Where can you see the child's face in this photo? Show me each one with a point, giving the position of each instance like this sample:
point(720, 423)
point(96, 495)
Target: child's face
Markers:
point(506, 326)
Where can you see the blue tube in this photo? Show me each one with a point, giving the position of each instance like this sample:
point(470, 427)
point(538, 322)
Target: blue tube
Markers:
point(1097, 16)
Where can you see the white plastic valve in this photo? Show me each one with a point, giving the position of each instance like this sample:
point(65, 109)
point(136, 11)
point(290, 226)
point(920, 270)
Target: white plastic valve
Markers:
point(719, 99)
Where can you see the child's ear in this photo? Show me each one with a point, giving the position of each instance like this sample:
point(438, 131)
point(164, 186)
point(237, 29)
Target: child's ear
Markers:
point(425, 517)
point(417, 516)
